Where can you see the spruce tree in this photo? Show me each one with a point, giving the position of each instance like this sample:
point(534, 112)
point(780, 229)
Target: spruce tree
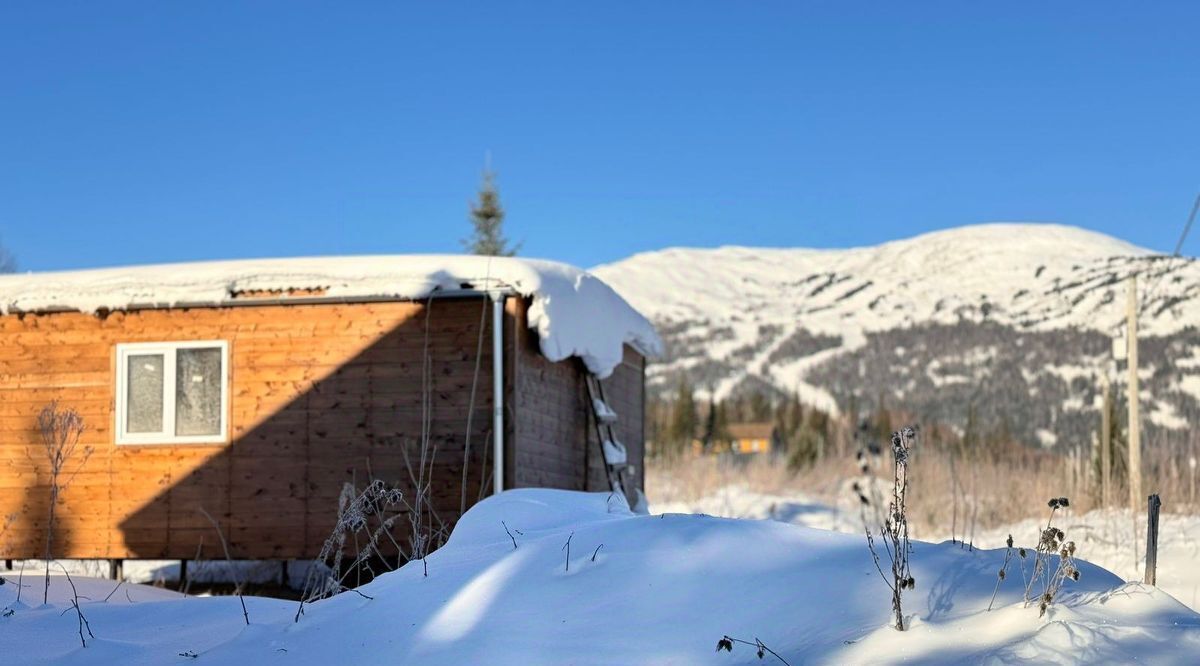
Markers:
point(683, 416)
point(721, 425)
point(487, 218)
point(710, 421)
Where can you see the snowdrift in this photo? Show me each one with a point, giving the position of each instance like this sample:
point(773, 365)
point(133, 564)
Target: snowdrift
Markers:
point(657, 589)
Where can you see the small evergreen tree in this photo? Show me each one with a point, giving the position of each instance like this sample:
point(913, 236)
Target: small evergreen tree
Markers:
point(683, 416)
point(721, 425)
point(487, 218)
point(710, 422)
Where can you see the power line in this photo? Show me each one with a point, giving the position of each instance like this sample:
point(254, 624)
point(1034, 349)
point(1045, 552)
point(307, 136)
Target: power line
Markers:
point(1188, 227)
point(1152, 286)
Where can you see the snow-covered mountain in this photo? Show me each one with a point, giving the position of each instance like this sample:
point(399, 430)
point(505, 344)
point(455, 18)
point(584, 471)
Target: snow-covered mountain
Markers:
point(1014, 319)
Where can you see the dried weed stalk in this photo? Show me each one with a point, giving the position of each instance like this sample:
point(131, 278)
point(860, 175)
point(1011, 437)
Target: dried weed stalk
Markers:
point(1002, 574)
point(894, 531)
point(761, 649)
point(370, 515)
point(60, 430)
point(1052, 542)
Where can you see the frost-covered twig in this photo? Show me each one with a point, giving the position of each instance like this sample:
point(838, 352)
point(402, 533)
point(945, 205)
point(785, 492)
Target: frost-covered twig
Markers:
point(354, 518)
point(1052, 540)
point(1047, 543)
point(895, 527)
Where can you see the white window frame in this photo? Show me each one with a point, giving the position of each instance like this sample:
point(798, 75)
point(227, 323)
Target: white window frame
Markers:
point(168, 351)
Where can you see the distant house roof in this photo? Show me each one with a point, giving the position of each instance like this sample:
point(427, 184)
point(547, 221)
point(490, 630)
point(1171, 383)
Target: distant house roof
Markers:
point(761, 430)
point(574, 313)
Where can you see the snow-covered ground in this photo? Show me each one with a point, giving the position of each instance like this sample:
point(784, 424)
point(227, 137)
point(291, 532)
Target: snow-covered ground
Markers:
point(1107, 538)
point(653, 589)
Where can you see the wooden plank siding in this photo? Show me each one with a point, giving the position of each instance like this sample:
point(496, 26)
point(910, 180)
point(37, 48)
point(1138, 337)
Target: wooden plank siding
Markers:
point(554, 431)
point(318, 394)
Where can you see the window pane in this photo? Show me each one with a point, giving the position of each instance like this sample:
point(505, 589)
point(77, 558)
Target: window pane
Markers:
point(198, 391)
point(144, 413)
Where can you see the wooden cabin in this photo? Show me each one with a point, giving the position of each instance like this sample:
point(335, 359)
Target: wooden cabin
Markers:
point(753, 438)
point(253, 391)
point(741, 439)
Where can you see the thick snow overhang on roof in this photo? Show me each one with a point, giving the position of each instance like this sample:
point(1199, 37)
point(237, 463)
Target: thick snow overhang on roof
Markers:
point(573, 312)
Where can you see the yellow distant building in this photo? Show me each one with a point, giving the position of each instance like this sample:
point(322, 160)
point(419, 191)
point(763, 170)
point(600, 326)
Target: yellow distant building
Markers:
point(742, 439)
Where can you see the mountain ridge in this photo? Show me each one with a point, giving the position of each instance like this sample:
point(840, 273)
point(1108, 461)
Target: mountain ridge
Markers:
point(799, 320)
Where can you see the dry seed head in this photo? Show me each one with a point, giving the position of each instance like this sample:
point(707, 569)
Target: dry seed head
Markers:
point(1009, 542)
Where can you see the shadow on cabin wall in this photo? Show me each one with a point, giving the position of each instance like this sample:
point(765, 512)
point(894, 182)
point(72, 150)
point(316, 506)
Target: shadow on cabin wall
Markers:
point(35, 508)
point(274, 489)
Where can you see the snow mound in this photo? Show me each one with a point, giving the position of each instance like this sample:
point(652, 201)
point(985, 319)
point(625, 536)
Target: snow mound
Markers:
point(573, 312)
point(636, 589)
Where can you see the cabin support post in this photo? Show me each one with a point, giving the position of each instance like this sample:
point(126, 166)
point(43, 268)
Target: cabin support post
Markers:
point(1153, 503)
point(182, 574)
point(498, 392)
point(116, 569)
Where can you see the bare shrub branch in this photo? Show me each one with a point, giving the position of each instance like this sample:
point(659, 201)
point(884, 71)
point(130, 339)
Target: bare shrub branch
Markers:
point(60, 430)
point(83, 623)
point(229, 559)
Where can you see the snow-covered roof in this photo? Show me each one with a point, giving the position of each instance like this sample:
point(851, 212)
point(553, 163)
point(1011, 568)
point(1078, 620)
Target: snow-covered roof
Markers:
point(573, 312)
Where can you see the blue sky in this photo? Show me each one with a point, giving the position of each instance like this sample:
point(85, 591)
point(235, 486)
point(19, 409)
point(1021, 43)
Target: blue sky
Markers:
point(146, 132)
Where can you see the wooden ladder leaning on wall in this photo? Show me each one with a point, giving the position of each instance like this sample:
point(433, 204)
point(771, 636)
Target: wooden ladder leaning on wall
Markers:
point(612, 451)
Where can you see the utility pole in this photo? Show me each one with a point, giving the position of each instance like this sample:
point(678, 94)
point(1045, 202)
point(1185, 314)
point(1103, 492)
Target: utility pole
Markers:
point(1105, 441)
point(1135, 441)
